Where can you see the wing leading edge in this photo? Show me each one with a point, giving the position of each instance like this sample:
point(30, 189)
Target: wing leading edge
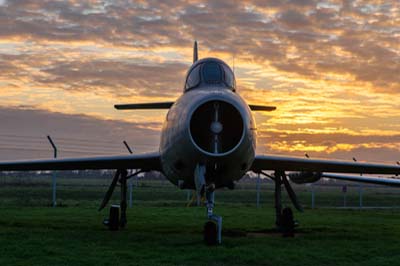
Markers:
point(146, 162)
point(283, 163)
point(371, 180)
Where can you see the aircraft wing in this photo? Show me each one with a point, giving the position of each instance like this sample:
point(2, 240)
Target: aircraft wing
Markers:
point(283, 163)
point(371, 180)
point(146, 162)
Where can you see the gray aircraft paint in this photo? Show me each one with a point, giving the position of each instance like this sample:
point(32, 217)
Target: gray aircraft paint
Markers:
point(177, 146)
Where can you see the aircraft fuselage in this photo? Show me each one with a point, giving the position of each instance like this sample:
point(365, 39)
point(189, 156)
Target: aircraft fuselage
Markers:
point(210, 125)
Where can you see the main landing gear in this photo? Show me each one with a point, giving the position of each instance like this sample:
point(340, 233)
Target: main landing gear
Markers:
point(213, 227)
point(284, 218)
point(115, 221)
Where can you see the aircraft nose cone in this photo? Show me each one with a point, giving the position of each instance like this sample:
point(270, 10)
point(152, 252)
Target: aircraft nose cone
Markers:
point(216, 127)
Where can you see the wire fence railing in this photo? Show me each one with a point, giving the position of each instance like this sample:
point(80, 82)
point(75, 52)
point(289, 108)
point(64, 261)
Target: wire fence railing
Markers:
point(37, 190)
point(89, 191)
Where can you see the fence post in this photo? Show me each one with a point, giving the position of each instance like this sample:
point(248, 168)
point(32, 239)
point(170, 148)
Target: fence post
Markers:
point(130, 192)
point(258, 190)
point(54, 178)
point(360, 194)
point(130, 180)
point(312, 197)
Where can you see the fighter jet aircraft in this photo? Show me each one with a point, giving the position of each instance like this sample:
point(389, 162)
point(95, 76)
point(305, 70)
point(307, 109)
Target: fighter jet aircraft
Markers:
point(208, 142)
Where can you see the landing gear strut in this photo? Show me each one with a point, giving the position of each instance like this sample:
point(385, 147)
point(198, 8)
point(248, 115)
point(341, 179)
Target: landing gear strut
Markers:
point(114, 222)
point(213, 227)
point(284, 218)
point(278, 198)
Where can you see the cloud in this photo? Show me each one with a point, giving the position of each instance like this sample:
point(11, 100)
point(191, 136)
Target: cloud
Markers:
point(293, 19)
point(121, 78)
point(316, 30)
point(338, 145)
point(116, 77)
point(327, 65)
point(24, 130)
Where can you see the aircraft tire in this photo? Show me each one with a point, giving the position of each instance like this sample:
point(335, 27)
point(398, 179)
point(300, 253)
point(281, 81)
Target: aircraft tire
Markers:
point(287, 222)
point(114, 218)
point(210, 233)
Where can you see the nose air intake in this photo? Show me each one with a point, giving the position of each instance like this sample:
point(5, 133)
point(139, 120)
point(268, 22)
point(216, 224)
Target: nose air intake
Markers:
point(216, 127)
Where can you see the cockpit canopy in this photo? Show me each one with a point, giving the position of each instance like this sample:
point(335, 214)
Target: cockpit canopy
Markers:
point(210, 71)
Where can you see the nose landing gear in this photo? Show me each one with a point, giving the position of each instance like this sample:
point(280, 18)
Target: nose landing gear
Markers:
point(213, 226)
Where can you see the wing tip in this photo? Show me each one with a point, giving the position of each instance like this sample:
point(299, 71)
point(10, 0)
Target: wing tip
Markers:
point(262, 108)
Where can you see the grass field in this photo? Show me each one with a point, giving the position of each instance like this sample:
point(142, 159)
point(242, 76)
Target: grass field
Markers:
point(164, 232)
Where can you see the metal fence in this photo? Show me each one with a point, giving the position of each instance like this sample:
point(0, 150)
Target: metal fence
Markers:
point(23, 190)
point(88, 188)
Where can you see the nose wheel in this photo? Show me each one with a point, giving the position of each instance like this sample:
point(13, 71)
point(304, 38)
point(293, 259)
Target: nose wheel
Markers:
point(210, 233)
point(212, 230)
point(213, 227)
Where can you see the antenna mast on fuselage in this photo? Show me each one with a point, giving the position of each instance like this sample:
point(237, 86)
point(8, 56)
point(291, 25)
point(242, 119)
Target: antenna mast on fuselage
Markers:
point(233, 65)
point(195, 53)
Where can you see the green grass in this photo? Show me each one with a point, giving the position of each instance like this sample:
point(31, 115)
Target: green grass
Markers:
point(172, 236)
point(161, 231)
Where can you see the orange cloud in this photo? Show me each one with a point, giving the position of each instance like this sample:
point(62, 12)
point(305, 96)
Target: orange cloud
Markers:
point(331, 68)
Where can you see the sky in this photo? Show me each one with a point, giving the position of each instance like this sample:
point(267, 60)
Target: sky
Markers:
point(332, 69)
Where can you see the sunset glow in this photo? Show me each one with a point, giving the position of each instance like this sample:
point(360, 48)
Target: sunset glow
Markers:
point(332, 68)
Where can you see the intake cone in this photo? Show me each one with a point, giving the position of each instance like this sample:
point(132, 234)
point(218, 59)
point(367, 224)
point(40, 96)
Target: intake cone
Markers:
point(216, 127)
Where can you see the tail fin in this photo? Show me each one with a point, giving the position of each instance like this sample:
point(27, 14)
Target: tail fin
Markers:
point(195, 53)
